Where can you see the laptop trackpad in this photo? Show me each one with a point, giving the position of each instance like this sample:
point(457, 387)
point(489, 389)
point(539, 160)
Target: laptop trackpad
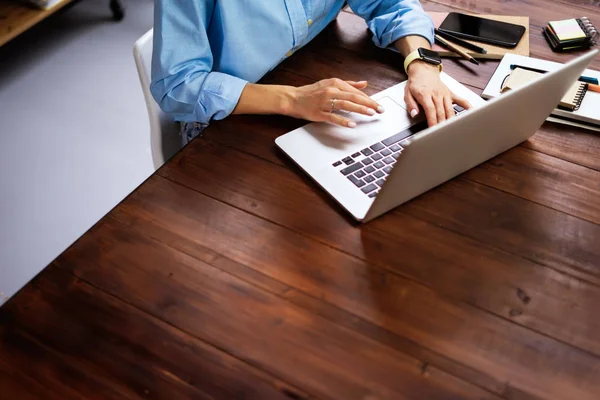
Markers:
point(368, 129)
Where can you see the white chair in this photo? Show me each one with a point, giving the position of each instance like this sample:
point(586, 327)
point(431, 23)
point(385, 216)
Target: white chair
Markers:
point(164, 133)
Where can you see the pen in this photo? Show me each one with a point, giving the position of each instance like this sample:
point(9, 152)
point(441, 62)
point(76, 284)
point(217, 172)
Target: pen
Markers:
point(594, 88)
point(585, 79)
point(461, 42)
point(456, 49)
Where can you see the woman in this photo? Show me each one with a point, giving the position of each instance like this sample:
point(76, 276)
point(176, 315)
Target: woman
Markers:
point(208, 54)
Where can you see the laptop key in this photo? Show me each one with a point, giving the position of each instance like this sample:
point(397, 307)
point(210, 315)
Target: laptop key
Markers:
point(379, 174)
point(369, 169)
point(358, 182)
point(337, 163)
point(389, 160)
point(379, 165)
point(405, 133)
point(348, 160)
point(369, 188)
point(377, 147)
point(380, 182)
point(355, 155)
point(360, 174)
point(373, 194)
point(388, 170)
point(385, 152)
point(395, 148)
point(396, 155)
point(458, 109)
point(367, 161)
point(367, 151)
point(353, 168)
point(376, 156)
point(368, 179)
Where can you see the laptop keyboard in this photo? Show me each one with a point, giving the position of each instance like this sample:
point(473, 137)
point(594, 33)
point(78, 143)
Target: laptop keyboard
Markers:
point(368, 169)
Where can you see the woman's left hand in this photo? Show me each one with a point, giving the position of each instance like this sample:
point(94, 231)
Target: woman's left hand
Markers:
point(426, 88)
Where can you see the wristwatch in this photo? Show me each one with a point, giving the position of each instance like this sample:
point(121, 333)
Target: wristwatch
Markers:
point(429, 56)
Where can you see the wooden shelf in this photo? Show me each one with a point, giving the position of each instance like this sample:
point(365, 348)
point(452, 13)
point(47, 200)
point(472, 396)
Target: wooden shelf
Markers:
point(16, 18)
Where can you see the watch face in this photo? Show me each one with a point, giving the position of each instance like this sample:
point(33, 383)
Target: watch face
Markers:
point(430, 56)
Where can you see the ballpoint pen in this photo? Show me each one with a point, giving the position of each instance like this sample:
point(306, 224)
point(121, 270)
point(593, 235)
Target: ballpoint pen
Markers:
point(455, 49)
point(461, 42)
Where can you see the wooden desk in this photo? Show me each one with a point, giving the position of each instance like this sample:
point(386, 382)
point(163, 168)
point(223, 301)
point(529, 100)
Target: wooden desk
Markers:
point(229, 274)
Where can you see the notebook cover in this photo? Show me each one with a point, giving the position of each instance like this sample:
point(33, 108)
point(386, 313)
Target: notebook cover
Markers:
point(493, 52)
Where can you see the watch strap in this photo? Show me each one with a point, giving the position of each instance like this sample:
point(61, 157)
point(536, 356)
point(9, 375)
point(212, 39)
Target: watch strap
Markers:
point(415, 55)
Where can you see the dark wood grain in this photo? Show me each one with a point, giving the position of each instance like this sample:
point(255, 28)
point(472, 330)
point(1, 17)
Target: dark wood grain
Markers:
point(230, 275)
point(249, 323)
point(210, 169)
point(399, 305)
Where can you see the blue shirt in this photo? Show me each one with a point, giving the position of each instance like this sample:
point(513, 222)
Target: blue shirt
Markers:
point(205, 51)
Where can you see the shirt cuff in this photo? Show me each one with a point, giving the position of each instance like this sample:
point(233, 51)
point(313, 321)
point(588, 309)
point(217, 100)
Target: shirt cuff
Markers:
point(422, 26)
point(219, 96)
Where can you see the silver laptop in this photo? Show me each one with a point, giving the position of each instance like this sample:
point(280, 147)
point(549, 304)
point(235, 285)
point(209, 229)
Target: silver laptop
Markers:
point(390, 158)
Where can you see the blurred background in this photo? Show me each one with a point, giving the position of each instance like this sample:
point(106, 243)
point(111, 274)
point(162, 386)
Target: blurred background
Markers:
point(73, 130)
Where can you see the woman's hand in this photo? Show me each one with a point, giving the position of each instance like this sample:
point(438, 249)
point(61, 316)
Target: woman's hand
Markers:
point(425, 87)
point(314, 102)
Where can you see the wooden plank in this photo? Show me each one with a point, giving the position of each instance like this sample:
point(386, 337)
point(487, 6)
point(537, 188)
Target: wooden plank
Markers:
point(545, 180)
point(66, 380)
point(15, 385)
point(516, 225)
point(245, 182)
point(396, 304)
point(140, 355)
point(245, 321)
point(16, 18)
point(568, 143)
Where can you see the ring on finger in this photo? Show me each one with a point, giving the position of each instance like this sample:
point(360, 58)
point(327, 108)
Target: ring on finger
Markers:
point(333, 105)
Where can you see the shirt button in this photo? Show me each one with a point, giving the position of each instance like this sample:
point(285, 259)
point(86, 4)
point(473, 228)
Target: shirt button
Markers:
point(289, 53)
point(309, 22)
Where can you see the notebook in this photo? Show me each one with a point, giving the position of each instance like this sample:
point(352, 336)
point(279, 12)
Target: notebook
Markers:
point(570, 34)
point(493, 52)
point(571, 101)
point(585, 115)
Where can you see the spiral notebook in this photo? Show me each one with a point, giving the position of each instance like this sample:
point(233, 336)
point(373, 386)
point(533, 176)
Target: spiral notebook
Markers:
point(585, 105)
point(571, 101)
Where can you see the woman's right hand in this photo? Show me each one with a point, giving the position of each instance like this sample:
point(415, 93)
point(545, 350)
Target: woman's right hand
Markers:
point(314, 102)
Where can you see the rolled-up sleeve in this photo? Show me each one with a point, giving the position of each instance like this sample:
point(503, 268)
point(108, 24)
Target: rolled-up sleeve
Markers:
point(183, 83)
point(390, 20)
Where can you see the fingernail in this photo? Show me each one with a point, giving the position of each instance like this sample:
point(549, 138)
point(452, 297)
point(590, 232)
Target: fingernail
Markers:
point(362, 82)
point(414, 112)
point(351, 124)
point(370, 111)
point(380, 109)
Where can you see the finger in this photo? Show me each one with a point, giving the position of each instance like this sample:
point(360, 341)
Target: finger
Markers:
point(360, 100)
point(359, 84)
point(448, 107)
point(411, 104)
point(430, 111)
point(438, 101)
point(346, 105)
point(461, 102)
point(339, 120)
point(345, 86)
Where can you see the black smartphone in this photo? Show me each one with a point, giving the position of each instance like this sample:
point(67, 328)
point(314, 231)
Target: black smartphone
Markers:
point(482, 29)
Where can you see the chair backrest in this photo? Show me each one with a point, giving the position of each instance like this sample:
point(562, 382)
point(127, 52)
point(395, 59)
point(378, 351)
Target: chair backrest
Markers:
point(164, 138)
